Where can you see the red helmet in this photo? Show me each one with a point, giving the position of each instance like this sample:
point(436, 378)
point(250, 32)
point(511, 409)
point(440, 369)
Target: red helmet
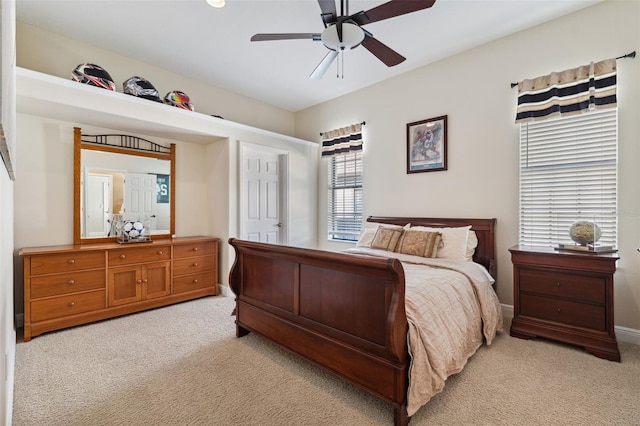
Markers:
point(178, 99)
point(93, 75)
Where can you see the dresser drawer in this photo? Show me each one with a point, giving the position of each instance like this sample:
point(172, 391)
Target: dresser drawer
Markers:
point(62, 306)
point(194, 265)
point(66, 262)
point(563, 311)
point(591, 289)
point(139, 255)
point(195, 249)
point(53, 285)
point(195, 281)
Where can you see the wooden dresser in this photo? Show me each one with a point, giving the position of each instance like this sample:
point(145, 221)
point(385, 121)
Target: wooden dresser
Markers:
point(565, 296)
point(71, 285)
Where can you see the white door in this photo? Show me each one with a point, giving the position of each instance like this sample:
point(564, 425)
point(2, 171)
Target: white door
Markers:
point(140, 196)
point(262, 195)
point(98, 205)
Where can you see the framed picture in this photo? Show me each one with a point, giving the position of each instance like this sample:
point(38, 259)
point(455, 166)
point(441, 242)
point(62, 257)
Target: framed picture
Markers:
point(427, 145)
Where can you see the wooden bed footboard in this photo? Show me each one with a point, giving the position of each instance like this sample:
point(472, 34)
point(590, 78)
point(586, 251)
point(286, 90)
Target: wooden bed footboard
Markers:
point(344, 312)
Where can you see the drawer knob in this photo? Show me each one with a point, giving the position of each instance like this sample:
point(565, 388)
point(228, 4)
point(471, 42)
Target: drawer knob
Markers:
point(144, 281)
point(71, 282)
point(195, 264)
point(122, 256)
point(71, 261)
point(559, 310)
point(72, 304)
point(160, 253)
point(196, 248)
point(558, 284)
point(139, 281)
point(195, 281)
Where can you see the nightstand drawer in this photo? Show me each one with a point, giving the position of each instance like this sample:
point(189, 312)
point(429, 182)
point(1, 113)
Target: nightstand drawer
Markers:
point(579, 287)
point(563, 311)
point(63, 306)
point(53, 285)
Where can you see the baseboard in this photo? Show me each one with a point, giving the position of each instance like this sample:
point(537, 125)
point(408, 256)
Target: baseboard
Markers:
point(224, 290)
point(623, 334)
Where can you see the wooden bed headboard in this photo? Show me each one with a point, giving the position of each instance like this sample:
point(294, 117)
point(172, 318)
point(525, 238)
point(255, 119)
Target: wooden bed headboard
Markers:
point(485, 253)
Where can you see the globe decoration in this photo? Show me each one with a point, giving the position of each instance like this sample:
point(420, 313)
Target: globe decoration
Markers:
point(584, 232)
point(133, 228)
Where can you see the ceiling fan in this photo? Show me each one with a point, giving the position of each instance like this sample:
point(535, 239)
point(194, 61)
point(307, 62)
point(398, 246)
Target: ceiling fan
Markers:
point(345, 31)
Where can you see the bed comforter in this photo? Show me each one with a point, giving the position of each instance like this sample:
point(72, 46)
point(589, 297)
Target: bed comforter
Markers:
point(451, 307)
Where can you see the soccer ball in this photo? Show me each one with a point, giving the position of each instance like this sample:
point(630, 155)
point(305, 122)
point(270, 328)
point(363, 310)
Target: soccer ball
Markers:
point(133, 228)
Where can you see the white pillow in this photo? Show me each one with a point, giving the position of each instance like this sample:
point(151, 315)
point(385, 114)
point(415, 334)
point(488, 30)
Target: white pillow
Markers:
point(472, 243)
point(454, 241)
point(369, 229)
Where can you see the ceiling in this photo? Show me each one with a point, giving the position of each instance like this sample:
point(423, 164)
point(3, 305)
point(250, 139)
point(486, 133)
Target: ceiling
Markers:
point(212, 45)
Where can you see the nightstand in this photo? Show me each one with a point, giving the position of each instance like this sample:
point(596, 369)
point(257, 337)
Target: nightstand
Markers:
point(565, 296)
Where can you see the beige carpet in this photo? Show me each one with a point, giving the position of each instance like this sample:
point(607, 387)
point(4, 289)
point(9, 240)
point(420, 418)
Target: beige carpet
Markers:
point(183, 365)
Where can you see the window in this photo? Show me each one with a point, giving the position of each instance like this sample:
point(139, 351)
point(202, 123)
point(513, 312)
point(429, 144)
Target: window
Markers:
point(345, 196)
point(568, 172)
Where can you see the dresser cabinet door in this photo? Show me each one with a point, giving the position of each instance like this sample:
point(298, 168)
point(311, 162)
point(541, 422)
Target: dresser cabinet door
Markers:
point(125, 285)
point(156, 280)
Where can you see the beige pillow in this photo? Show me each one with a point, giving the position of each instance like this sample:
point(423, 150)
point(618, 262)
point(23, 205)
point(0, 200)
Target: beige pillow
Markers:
point(368, 232)
point(419, 243)
point(386, 238)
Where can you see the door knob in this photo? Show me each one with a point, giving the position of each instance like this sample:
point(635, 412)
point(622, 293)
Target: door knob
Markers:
point(279, 224)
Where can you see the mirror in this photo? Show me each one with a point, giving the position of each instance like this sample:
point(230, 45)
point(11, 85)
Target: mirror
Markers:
point(121, 177)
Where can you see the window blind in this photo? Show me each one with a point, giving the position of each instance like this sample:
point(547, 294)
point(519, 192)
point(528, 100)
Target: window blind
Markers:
point(345, 196)
point(568, 172)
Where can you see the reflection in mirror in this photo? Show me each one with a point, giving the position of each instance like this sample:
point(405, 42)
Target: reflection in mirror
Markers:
point(131, 187)
point(119, 177)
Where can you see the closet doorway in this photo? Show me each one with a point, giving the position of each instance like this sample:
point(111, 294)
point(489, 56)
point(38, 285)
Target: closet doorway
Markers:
point(263, 194)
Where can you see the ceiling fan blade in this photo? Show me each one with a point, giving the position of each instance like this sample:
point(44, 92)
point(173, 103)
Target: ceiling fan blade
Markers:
point(390, 9)
point(381, 51)
point(324, 65)
point(286, 36)
point(328, 9)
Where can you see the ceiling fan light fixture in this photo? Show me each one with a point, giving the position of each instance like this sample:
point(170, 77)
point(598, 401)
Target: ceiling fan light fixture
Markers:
point(352, 36)
point(216, 3)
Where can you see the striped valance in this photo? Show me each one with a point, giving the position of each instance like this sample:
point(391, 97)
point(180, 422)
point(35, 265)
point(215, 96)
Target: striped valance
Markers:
point(342, 141)
point(586, 88)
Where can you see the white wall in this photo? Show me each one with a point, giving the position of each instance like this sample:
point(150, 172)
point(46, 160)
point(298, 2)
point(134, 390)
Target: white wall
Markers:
point(7, 118)
point(7, 328)
point(473, 90)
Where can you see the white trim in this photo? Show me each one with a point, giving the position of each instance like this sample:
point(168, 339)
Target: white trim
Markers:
point(627, 335)
point(623, 334)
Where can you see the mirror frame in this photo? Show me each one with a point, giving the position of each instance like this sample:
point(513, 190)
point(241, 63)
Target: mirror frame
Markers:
point(79, 145)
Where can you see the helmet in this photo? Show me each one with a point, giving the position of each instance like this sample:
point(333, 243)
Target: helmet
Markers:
point(142, 88)
point(93, 75)
point(178, 99)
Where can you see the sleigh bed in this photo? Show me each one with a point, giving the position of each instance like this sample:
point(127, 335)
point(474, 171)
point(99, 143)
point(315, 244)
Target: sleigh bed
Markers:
point(347, 312)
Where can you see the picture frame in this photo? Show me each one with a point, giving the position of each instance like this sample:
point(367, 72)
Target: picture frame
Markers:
point(427, 145)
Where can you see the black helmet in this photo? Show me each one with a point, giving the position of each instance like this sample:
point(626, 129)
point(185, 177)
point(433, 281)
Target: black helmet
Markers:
point(179, 99)
point(142, 88)
point(93, 75)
